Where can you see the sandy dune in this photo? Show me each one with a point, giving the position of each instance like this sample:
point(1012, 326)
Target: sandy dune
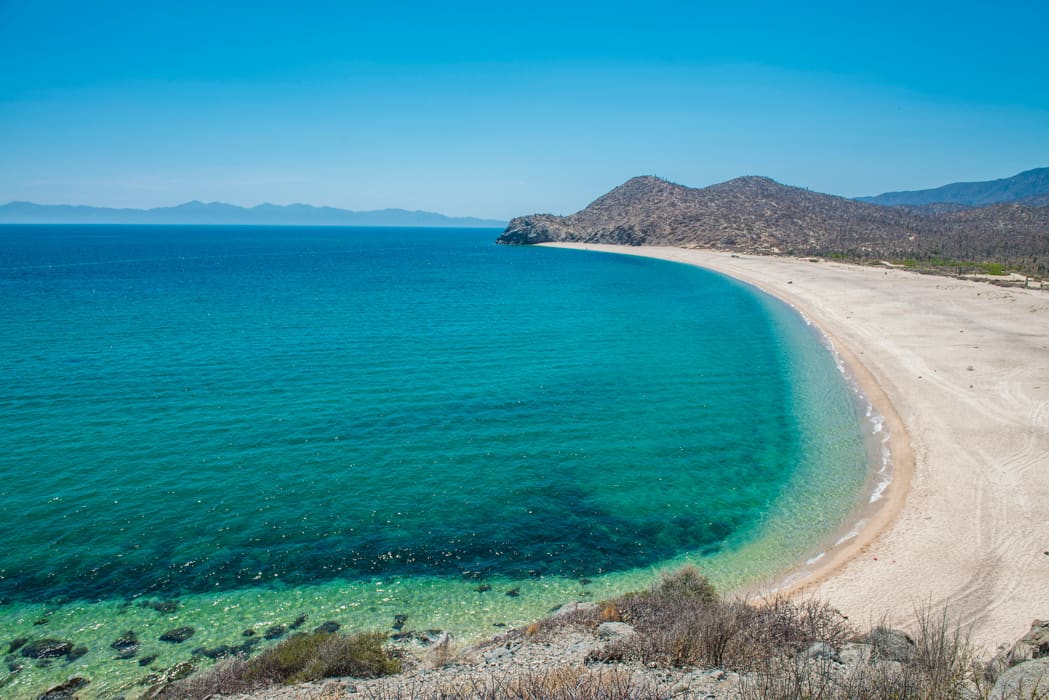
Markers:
point(965, 367)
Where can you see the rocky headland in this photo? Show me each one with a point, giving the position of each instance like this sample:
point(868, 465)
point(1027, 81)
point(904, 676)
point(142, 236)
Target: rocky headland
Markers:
point(760, 216)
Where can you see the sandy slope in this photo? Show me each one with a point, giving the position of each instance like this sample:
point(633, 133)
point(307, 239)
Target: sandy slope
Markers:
point(965, 367)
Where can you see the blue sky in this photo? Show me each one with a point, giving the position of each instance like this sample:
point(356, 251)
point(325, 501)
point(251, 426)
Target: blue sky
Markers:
point(498, 109)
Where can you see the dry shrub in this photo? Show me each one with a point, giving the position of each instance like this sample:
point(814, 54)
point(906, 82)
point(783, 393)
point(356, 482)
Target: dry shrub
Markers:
point(440, 654)
point(228, 677)
point(562, 683)
point(682, 622)
point(301, 657)
point(943, 654)
point(941, 668)
point(547, 628)
point(610, 613)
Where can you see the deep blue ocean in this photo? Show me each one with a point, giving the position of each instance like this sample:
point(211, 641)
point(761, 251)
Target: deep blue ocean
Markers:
point(259, 423)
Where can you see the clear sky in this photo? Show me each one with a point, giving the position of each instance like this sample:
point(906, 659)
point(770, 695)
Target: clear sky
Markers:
point(496, 109)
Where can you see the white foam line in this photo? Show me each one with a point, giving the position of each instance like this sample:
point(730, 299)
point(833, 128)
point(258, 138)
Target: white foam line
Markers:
point(854, 532)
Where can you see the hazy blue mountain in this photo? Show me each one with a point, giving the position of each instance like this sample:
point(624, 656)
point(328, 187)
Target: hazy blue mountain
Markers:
point(1028, 185)
point(219, 213)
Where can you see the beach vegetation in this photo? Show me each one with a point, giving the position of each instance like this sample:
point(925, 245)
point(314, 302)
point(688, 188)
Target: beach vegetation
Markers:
point(310, 657)
point(297, 659)
point(770, 649)
point(681, 621)
point(942, 666)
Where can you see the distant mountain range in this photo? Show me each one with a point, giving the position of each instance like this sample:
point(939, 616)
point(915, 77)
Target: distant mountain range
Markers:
point(1029, 187)
point(218, 213)
point(759, 215)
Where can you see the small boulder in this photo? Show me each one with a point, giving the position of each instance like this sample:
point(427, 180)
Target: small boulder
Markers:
point(329, 627)
point(820, 651)
point(491, 657)
point(1027, 680)
point(854, 654)
point(438, 640)
point(147, 660)
point(615, 631)
point(890, 644)
point(1033, 645)
point(584, 607)
point(177, 635)
point(299, 622)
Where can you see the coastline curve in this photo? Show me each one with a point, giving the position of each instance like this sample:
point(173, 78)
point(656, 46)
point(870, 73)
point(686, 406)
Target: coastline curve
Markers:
point(854, 537)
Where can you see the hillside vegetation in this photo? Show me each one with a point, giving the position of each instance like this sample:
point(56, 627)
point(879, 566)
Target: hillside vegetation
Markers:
point(759, 215)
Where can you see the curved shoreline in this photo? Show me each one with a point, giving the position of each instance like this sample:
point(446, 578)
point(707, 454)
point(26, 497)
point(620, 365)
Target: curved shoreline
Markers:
point(867, 521)
point(949, 530)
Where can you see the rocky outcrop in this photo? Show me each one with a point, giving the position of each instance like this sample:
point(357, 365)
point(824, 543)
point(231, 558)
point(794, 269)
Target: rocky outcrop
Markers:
point(759, 215)
point(1026, 681)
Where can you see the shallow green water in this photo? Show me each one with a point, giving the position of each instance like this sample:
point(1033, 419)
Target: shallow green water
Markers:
point(355, 424)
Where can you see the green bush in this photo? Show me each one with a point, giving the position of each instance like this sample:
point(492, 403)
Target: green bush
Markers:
point(299, 658)
point(311, 657)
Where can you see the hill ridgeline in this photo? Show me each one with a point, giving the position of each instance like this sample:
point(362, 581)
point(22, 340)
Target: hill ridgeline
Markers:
point(759, 215)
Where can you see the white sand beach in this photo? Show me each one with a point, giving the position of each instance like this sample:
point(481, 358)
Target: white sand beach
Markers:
point(960, 370)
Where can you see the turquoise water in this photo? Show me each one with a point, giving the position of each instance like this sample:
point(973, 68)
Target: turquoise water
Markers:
point(256, 424)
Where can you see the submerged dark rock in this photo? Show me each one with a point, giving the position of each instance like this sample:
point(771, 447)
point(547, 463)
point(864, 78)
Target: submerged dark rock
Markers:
point(177, 635)
point(329, 627)
point(299, 622)
point(275, 632)
point(16, 644)
point(514, 592)
point(47, 649)
point(183, 669)
point(161, 606)
point(147, 660)
point(220, 652)
point(126, 645)
point(399, 621)
point(65, 690)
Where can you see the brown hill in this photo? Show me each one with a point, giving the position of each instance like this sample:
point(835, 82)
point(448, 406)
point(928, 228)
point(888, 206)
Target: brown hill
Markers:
point(759, 215)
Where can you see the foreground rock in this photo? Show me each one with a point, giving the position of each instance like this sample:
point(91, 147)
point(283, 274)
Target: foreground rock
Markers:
point(1026, 681)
